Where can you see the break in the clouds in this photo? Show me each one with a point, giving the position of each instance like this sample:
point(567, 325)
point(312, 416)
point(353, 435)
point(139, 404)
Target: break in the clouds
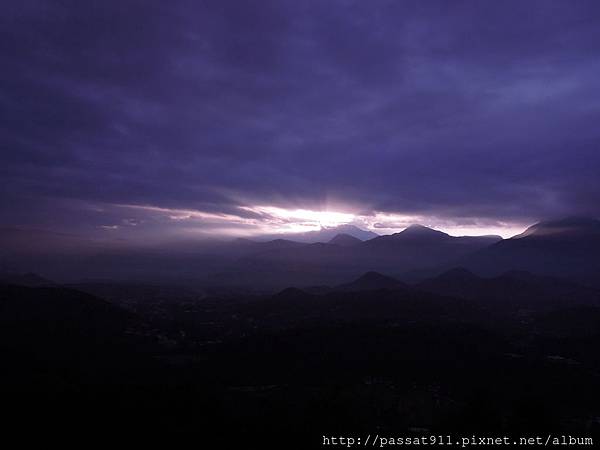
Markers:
point(233, 117)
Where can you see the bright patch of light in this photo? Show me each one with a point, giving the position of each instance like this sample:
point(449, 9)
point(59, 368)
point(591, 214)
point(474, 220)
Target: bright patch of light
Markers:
point(504, 231)
point(269, 220)
point(388, 223)
point(300, 219)
point(184, 214)
point(251, 220)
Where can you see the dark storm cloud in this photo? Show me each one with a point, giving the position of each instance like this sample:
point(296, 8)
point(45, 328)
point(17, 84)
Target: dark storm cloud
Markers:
point(452, 109)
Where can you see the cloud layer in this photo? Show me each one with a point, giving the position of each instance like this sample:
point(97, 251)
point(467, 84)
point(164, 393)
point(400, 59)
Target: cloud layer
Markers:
point(451, 112)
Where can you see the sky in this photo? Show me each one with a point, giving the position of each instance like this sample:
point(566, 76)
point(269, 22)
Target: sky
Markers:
point(142, 120)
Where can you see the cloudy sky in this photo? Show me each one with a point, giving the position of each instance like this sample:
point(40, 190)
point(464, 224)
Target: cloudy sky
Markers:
point(146, 119)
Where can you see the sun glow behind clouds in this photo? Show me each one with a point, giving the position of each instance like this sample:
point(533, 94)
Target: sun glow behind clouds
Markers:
point(245, 220)
point(298, 220)
point(389, 223)
point(270, 220)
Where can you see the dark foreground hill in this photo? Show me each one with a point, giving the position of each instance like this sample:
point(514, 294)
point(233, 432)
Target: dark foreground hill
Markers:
point(45, 325)
point(256, 368)
point(68, 358)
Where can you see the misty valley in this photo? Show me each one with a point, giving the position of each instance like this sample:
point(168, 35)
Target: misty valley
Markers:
point(463, 340)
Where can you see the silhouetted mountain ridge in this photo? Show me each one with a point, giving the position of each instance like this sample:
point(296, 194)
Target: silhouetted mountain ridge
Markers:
point(567, 248)
point(417, 247)
point(325, 234)
point(372, 281)
point(563, 228)
point(344, 240)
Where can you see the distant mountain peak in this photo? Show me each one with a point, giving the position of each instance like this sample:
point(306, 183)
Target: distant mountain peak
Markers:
point(372, 281)
point(420, 231)
point(417, 226)
point(375, 276)
point(574, 225)
point(326, 234)
point(350, 230)
point(344, 240)
point(291, 293)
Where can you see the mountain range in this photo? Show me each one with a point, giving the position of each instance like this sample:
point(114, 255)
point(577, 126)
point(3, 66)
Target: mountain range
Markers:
point(140, 352)
point(280, 263)
point(324, 234)
point(568, 248)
